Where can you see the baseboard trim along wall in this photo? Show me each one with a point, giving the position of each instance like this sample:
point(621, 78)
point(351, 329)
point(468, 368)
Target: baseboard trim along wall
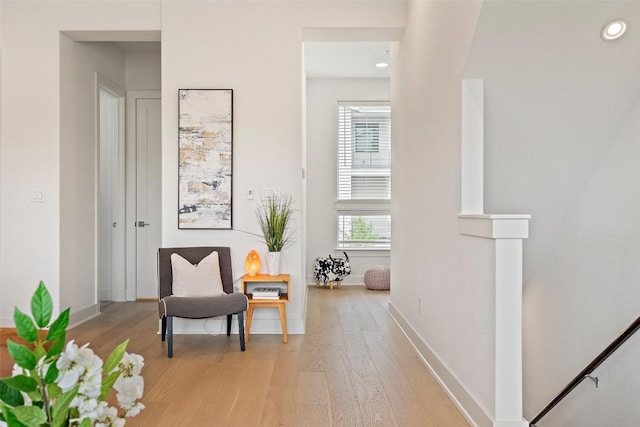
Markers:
point(83, 315)
point(471, 410)
point(217, 326)
point(8, 334)
point(75, 319)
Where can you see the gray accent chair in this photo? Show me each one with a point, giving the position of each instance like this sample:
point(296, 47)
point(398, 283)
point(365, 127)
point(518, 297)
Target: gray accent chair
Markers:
point(170, 306)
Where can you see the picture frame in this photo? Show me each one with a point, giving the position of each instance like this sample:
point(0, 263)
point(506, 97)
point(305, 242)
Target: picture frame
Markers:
point(205, 159)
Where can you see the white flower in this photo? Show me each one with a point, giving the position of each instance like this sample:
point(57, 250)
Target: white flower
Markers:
point(68, 357)
point(132, 387)
point(108, 416)
point(134, 410)
point(131, 364)
point(87, 407)
point(68, 378)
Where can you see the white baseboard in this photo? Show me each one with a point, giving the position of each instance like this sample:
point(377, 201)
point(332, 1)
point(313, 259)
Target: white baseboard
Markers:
point(469, 407)
point(218, 325)
point(350, 280)
point(83, 315)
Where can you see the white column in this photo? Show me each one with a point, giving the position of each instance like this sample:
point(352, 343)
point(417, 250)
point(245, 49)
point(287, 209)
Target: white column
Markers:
point(507, 231)
point(472, 145)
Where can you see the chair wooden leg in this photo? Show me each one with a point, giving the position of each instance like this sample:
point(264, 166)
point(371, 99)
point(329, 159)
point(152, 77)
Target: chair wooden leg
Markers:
point(164, 328)
point(229, 325)
point(241, 329)
point(170, 336)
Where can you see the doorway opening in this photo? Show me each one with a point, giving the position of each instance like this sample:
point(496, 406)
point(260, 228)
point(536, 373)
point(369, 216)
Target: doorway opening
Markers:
point(351, 66)
point(100, 162)
point(110, 218)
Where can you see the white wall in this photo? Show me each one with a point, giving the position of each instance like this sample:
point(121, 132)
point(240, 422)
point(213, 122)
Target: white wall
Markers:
point(254, 48)
point(31, 143)
point(323, 95)
point(79, 61)
point(453, 274)
point(562, 136)
point(142, 71)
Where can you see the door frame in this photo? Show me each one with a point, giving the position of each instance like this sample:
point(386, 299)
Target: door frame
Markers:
point(131, 188)
point(118, 250)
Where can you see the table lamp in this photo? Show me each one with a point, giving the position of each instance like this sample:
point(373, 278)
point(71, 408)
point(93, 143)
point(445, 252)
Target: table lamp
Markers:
point(252, 263)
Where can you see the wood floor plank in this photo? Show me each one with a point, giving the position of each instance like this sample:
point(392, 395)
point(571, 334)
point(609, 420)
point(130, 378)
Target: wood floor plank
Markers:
point(353, 367)
point(312, 400)
point(344, 403)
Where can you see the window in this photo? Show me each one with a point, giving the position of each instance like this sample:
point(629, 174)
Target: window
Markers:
point(364, 175)
point(368, 230)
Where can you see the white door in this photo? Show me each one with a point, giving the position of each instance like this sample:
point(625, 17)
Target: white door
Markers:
point(147, 222)
point(110, 275)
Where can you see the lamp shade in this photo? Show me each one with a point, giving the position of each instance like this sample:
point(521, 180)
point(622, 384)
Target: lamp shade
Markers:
point(252, 263)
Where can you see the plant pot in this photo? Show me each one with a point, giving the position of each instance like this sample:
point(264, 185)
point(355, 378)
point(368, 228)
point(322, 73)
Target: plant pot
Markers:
point(273, 263)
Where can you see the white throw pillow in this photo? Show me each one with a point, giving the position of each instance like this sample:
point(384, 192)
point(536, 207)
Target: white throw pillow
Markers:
point(200, 280)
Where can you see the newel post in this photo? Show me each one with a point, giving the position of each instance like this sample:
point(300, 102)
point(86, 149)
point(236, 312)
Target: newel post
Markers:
point(508, 232)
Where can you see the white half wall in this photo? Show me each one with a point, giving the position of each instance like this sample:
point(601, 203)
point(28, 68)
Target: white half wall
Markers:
point(561, 130)
point(323, 95)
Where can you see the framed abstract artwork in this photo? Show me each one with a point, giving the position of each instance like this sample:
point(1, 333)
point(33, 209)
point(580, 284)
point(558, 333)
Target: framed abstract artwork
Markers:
point(205, 158)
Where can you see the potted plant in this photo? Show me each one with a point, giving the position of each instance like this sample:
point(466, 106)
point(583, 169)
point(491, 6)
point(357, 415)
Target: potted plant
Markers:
point(57, 383)
point(275, 215)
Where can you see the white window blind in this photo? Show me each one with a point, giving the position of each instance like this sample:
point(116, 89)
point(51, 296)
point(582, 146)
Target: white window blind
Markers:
point(364, 151)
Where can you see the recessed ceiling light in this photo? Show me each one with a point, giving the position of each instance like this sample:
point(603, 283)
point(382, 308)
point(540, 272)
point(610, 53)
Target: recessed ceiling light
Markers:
point(382, 65)
point(614, 29)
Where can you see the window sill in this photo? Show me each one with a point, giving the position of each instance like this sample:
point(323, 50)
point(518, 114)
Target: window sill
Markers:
point(363, 252)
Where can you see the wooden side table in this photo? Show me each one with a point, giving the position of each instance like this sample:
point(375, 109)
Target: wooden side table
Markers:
point(258, 303)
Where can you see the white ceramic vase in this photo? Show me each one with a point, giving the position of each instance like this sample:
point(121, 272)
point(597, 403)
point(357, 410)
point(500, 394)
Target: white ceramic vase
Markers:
point(273, 263)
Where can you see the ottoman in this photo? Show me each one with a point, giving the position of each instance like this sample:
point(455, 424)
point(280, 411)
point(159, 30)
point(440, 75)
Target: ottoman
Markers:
point(378, 278)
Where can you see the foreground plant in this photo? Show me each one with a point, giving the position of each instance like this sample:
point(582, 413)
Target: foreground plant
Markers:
point(54, 385)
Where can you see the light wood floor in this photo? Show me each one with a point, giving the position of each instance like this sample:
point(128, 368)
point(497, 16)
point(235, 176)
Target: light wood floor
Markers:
point(353, 367)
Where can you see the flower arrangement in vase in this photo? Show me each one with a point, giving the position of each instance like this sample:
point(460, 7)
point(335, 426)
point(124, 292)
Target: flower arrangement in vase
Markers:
point(55, 385)
point(275, 216)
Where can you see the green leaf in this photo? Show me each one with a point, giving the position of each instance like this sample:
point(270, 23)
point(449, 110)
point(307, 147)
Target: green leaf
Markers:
point(39, 351)
point(59, 326)
point(30, 415)
point(25, 327)
point(107, 383)
point(53, 391)
point(35, 396)
point(10, 395)
point(86, 422)
point(22, 383)
point(52, 374)
point(41, 306)
point(56, 348)
point(22, 355)
point(115, 357)
point(61, 407)
point(10, 418)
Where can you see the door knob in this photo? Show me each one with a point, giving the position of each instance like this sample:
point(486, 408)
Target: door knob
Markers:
point(142, 224)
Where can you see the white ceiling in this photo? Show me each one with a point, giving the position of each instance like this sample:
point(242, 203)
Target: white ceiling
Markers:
point(346, 59)
point(322, 59)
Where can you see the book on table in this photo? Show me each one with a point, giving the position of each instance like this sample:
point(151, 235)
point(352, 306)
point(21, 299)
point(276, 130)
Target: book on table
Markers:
point(266, 293)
